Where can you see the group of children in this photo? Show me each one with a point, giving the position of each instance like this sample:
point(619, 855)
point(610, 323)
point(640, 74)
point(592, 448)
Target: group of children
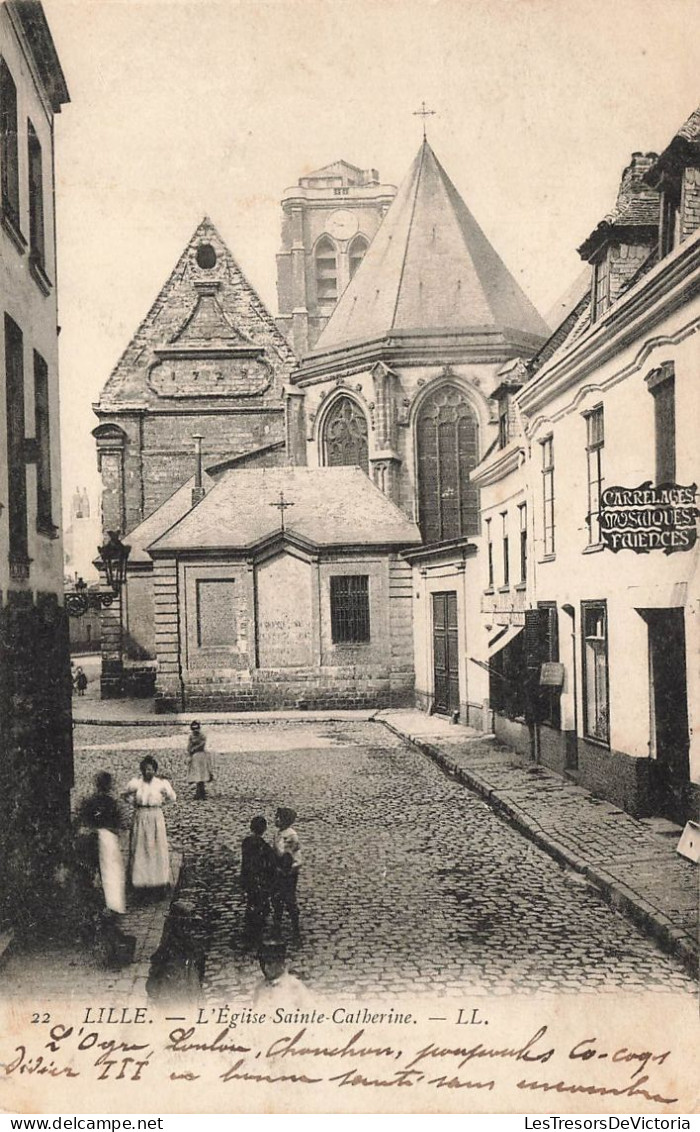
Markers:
point(269, 876)
point(269, 872)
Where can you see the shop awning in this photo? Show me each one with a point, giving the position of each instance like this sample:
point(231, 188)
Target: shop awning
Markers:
point(503, 637)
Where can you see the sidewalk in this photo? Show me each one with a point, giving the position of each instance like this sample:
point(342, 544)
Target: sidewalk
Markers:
point(68, 973)
point(635, 868)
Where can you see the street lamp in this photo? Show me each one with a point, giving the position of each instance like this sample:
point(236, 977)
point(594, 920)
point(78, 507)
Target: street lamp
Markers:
point(114, 555)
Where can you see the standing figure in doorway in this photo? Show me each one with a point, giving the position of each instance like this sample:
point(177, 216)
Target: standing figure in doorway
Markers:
point(149, 855)
point(200, 769)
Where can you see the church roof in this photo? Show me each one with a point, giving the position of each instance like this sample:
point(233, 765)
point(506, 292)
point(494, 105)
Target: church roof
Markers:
point(331, 507)
point(430, 268)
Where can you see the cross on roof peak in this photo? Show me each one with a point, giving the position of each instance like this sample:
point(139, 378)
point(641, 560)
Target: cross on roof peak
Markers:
point(424, 113)
point(282, 506)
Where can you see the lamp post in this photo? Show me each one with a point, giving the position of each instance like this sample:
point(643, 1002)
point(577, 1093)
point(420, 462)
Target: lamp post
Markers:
point(114, 555)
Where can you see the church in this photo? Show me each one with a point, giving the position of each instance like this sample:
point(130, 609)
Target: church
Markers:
point(296, 492)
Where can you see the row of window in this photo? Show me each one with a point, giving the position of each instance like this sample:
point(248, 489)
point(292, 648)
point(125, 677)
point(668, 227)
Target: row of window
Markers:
point(326, 266)
point(447, 442)
point(21, 451)
point(506, 553)
point(10, 174)
point(662, 390)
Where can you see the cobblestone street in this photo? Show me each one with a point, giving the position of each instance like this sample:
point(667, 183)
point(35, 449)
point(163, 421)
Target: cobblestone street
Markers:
point(409, 882)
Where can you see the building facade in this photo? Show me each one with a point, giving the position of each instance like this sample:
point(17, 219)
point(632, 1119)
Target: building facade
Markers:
point(35, 691)
point(399, 384)
point(601, 465)
point(207, 362)
point(329, 219)
point(283, 587)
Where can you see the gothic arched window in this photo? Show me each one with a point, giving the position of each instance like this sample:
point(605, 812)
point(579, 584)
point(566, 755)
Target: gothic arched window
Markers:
point(356, 253)
point(447, 437)
point(326, 271)
point(345, 435)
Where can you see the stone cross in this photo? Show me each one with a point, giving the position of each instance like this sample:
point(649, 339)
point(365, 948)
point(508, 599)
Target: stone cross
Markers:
point(282, 507)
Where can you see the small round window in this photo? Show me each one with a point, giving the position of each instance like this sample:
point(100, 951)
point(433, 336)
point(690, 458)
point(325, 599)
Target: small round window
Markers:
point(206, 256)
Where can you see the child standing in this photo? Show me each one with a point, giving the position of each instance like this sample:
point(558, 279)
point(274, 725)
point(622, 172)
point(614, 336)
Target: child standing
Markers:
point(200, 768)
point(286, 846)
point(258, 872)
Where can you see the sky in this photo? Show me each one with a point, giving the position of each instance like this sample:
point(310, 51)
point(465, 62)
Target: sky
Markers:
point(181, 108)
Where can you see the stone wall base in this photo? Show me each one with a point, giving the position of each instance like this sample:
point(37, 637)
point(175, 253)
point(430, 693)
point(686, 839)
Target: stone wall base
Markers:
point(618, 777)
point(310, 691)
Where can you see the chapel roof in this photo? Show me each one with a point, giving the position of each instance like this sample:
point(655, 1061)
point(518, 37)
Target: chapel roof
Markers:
point(331, 507)
point(430, 268)
point(162, 519)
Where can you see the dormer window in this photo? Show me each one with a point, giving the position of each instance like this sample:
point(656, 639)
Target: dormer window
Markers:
point(503, 396)
point(600, 287)
point(669, 231)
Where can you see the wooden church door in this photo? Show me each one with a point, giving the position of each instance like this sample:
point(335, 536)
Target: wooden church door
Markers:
point(446, 652)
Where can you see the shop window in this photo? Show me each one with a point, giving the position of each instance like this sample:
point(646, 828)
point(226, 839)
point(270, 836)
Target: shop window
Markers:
point(356, 254)
point(508, 679)
point(595, 445)
point(345, 435)
point(42, 420)
point(350, 609)
point(522, 515)
point(662, 386)
point(9, 158)
point(326, 271)
point(37, 241)
point(447, 438)
point(548, 496)
point(16, 462)
point(594, 622)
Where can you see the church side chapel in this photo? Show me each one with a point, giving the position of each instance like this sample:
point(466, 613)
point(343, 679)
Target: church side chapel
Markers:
point(303, 531)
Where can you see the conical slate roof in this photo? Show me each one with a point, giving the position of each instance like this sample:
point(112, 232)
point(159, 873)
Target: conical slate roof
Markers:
point(430, 268)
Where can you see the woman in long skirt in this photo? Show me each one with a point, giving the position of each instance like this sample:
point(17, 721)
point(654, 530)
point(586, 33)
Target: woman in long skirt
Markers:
point(149, 855)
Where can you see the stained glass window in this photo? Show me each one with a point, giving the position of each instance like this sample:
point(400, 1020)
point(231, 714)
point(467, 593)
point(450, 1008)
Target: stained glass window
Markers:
point(345, 434)
point(447, 437)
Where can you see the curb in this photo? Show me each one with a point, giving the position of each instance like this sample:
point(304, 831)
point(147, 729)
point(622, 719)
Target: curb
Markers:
point(235, 719)
point(617, 895)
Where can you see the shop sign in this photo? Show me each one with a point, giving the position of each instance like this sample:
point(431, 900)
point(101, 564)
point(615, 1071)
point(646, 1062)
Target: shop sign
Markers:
point(649, 517)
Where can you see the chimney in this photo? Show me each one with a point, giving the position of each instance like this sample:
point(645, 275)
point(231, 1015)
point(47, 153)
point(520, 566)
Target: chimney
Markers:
point(198, 489)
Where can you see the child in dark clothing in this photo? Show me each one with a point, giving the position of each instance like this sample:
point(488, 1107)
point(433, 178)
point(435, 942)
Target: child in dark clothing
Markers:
point(258, 869)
